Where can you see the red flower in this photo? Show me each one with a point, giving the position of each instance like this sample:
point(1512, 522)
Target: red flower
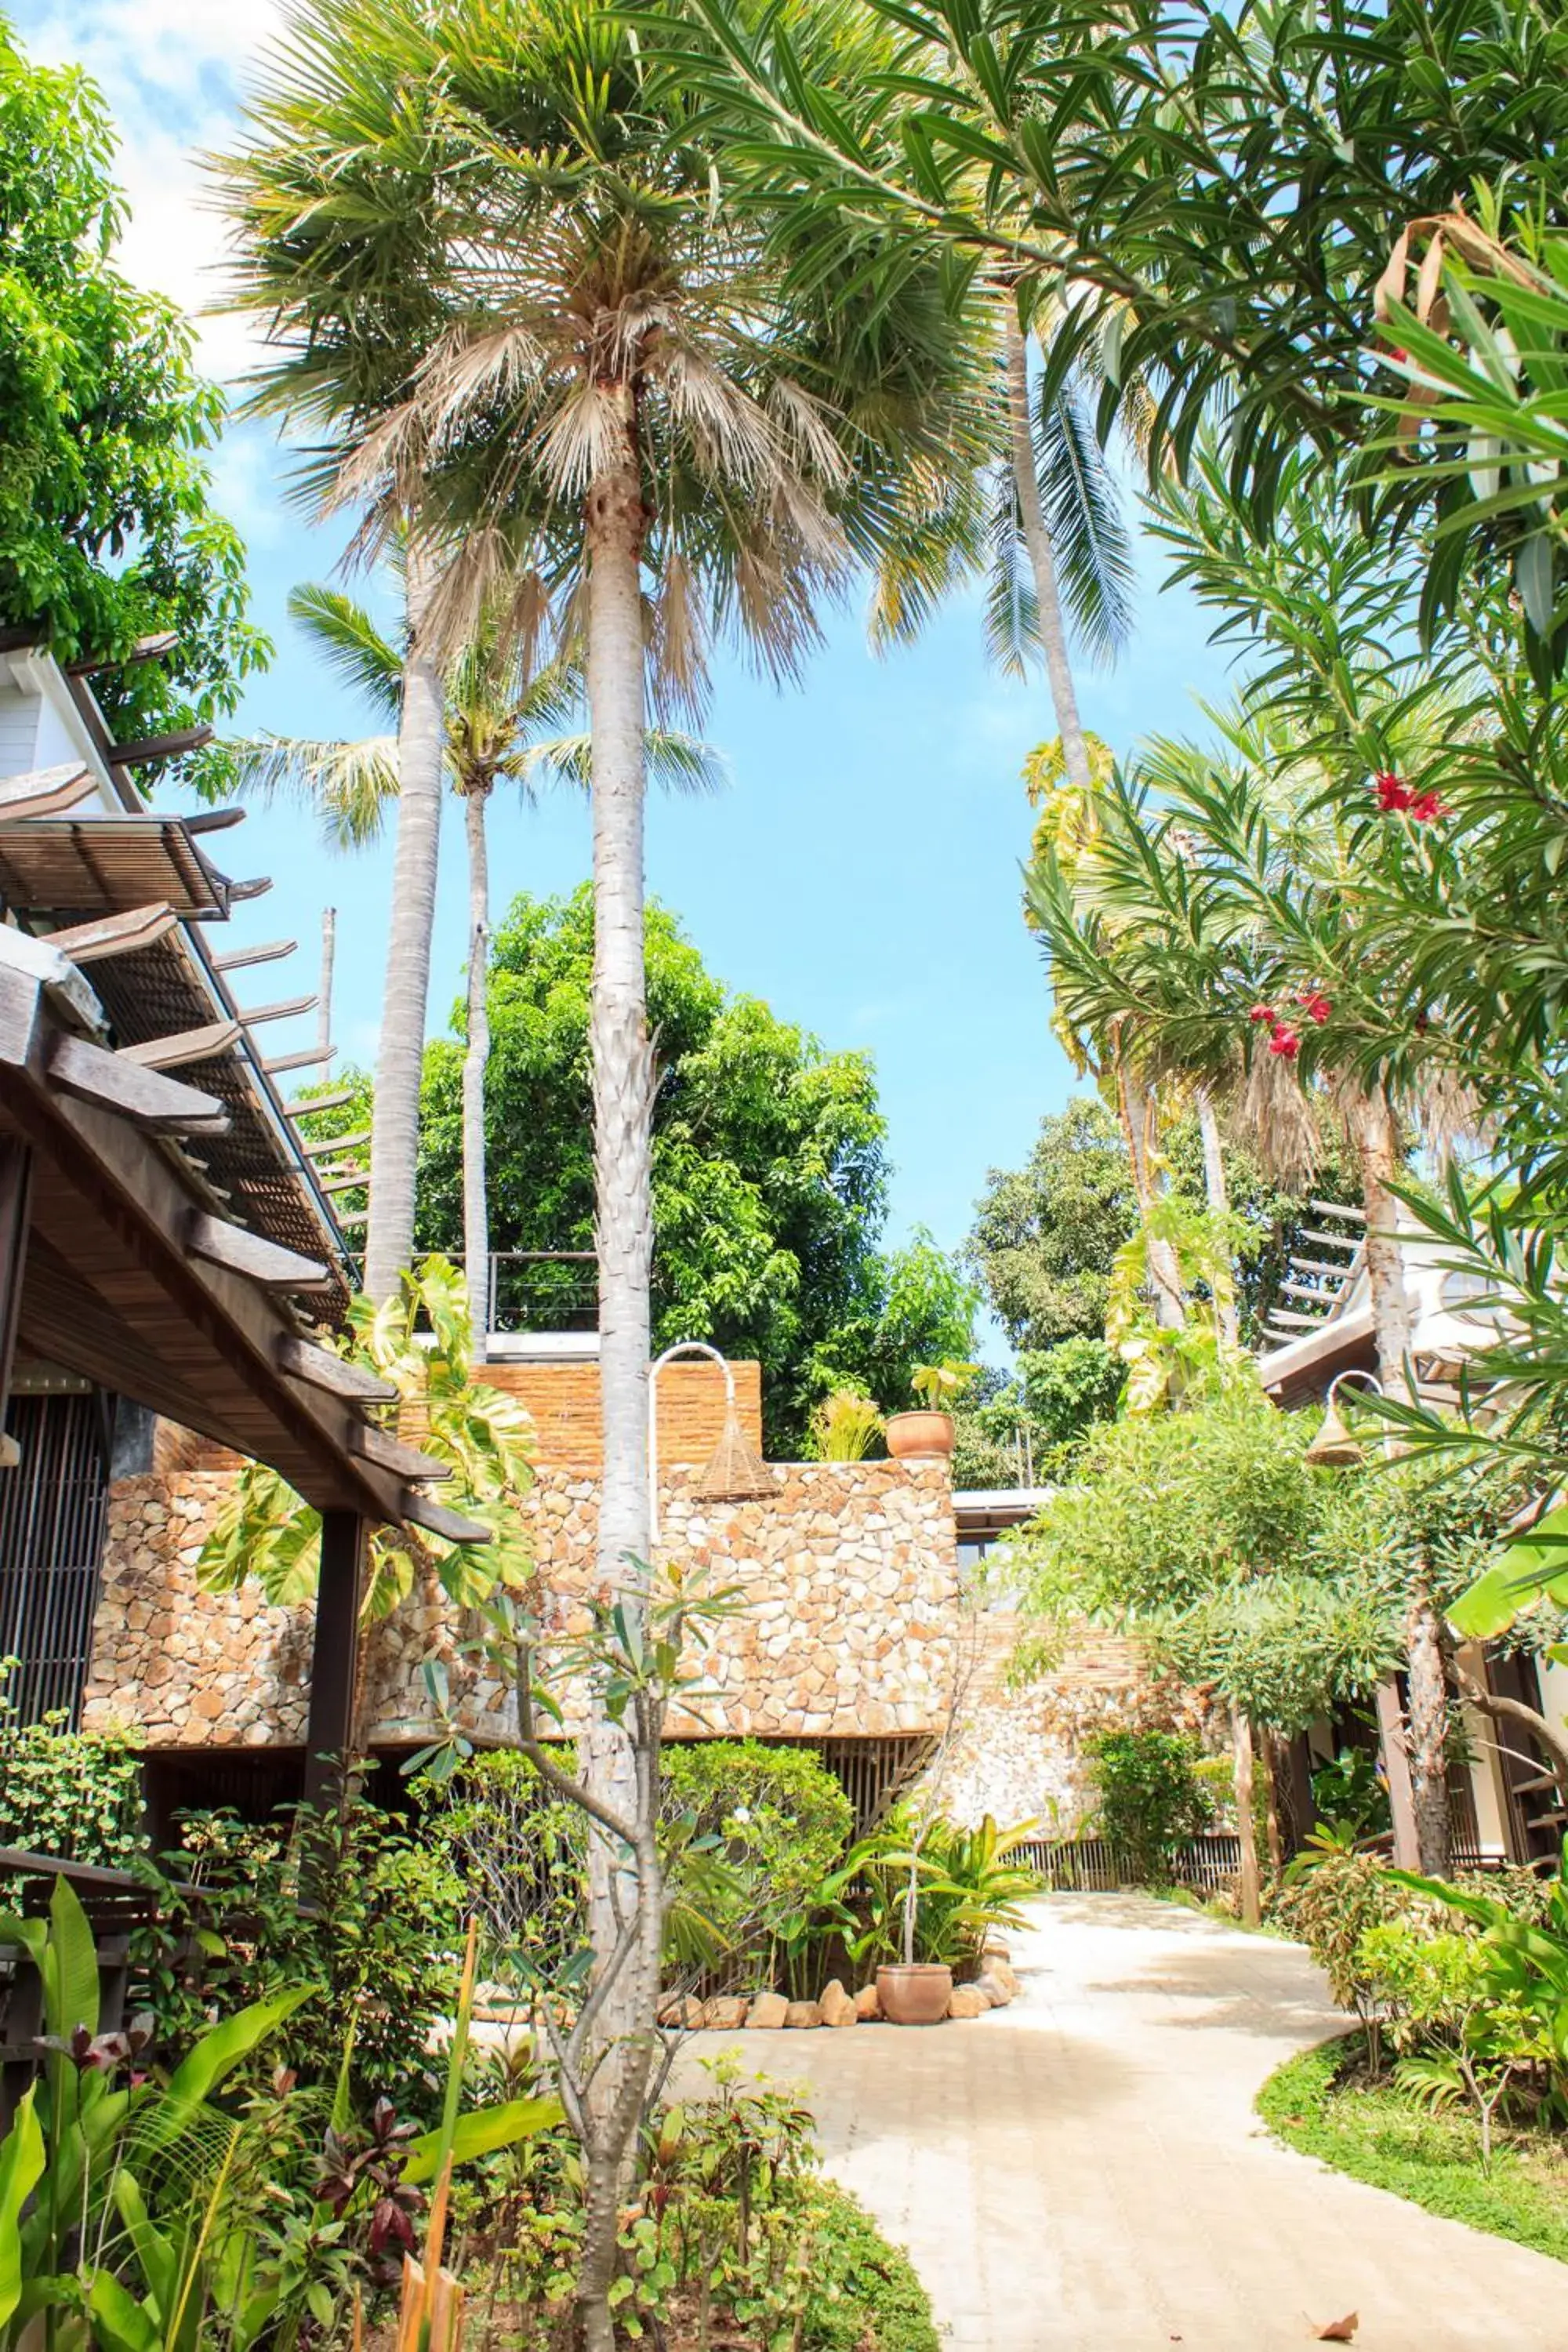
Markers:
point(1315, 1006)
point(1398, 357)
point(1285, 1042)
point(1424, 806)
point(1394, 793)
point(1262, 1013)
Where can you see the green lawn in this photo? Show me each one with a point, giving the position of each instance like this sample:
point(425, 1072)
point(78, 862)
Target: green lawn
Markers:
point(1375, 2133)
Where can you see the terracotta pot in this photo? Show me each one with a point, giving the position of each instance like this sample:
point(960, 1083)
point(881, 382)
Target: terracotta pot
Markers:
point(920, 1436)
point(916, 1995)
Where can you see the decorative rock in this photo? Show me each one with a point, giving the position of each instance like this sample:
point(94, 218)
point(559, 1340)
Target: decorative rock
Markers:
point(725, 2014)
point(967, 2000)
point(680, 2011)
point(1000, 1971)
point(768, 2012)
point(803, 2013)
point(996, 1994)
point(835, 2005)
point(868, 2004)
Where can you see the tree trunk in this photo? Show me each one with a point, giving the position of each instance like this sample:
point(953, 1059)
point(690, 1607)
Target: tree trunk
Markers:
point(1136, 1107)
point(475, 1063)
point(1377, 1146)
point(400, 1059)
point(1246, 1826)
point(622, 1066)
point(1042, 562)
point(1217, 1193)
point(324, 993)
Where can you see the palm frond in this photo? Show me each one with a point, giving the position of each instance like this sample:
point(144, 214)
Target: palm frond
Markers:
point(350, 644)
point(1090, 538)
point(1011, 608)
point(350, 785)
point(677, 763)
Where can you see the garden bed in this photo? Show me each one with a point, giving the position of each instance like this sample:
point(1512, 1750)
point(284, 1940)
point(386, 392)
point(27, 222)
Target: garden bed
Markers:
point(1324, 2104)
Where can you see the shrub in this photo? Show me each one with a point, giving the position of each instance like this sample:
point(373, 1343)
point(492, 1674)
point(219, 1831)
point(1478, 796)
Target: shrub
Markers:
point(520, 1854)
point(75, 1795)
point(844, 1427)
point(783, 1820)
point(1149, 1797)
point(356, 1908)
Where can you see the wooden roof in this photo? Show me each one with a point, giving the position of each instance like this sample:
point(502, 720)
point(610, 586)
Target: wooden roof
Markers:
point(67, 869)
point(134, 1282)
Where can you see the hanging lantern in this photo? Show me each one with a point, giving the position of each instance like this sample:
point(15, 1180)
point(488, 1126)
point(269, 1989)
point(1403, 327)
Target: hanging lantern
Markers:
point(1334, 1447)
point(735, 1472)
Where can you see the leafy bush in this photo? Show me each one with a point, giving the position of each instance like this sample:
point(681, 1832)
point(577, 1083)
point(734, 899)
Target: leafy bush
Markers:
point(357, 1907)
point(783, 1819)
point(969, 1884)
point(76, 1795)
point(1349, 1793)
point(520, 1856)
point(1149, 1797)
point(844, 1427)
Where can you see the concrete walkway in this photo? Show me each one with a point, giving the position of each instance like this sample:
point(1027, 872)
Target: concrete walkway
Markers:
point(1084, 2171)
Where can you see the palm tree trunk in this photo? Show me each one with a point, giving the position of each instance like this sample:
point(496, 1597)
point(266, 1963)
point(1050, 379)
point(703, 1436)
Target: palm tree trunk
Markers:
point(1042, 562)
point(1217, 1194)
point(621, 1065)
point(1135, 1108)
point(400, 1060)
point(1246, 1819)
point(1373, 1130)
point(475, 1062)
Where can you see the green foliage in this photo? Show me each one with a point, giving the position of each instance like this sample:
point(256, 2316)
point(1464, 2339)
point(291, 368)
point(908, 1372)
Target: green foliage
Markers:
point(844, 1427)
point(1332, 1895)
point(964, 1884)
point(378, 1932)
point(770, 1171)
point(1149, 1797)
point(75, 1795)
point(418, 1339)
point(783, 1820)
point(1349, 1795)
point(1208, 1533)
point(105, 533)
point(1046, 1237)
point(1319, 2104)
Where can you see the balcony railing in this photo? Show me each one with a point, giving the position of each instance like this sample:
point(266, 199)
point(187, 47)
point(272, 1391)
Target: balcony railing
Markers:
point(528, 1291)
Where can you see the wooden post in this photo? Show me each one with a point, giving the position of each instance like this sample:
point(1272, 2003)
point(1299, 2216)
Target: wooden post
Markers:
point(15, 1197)
point(1396, 1766)
point(334, 1659)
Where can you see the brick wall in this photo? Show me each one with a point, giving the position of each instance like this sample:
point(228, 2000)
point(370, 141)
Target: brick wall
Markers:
point(563, 1399)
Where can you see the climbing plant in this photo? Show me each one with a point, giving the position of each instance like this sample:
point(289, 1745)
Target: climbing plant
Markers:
point(419, 1341)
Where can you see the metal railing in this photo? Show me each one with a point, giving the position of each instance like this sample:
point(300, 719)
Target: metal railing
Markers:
point(526, 1290)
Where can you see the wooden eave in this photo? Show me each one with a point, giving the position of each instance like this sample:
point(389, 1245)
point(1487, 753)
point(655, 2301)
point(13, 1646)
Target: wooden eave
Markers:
point(76, 868)
point(114, 1291)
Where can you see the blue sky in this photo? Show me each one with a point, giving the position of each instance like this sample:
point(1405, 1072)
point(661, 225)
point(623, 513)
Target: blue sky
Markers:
point(861, 873)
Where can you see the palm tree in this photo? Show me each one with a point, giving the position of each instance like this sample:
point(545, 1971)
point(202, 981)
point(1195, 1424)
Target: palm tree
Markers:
point(502, 726)
point(644, 403)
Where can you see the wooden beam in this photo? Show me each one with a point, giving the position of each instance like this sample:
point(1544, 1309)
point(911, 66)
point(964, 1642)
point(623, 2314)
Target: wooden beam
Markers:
point(1351, 1242)
point(299, 1062)
point(158, 1105)
point(258, 1260)
point(188, 1046)
point(1319, 1265)
point(257, 889)
point(421, 1511)
point(145, 649)
point(320, 1368)
point(158, 746)
point(346, 1180)
point(1339, 1209)
point(335, 1661)
point(347, 1217)
point(329, 1143)
point(113, 935)
point(304, 1107)
point(213, 820)
point(46, 792)
point(389, 1452)
point(15, 1202)
point(284, 1010)
point(269, 950)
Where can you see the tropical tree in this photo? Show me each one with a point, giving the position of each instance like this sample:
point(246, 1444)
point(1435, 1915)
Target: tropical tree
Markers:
point(654, 427)
point(501, 726)
point(107, 533)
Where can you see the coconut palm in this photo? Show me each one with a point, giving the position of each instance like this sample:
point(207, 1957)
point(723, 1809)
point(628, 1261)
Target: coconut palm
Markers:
point(501, 726)
point(670, 426)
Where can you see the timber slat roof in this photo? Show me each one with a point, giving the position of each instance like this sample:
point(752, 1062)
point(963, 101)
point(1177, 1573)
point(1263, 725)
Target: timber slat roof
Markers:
point(69, 869)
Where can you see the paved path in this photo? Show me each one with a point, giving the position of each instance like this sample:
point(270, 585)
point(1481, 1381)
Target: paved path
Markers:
point(1082, 2172)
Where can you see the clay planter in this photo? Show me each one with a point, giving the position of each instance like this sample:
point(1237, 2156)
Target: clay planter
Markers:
point(920, 1436)
point(920, 1995)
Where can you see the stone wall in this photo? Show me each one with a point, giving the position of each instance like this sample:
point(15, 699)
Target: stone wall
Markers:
point(848, 1572)
point(1020, 1751)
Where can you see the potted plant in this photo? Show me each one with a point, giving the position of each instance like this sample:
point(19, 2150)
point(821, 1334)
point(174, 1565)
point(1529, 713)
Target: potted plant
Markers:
point(927, 1435)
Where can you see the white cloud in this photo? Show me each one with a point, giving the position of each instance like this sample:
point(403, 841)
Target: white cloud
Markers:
point(172, 72)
